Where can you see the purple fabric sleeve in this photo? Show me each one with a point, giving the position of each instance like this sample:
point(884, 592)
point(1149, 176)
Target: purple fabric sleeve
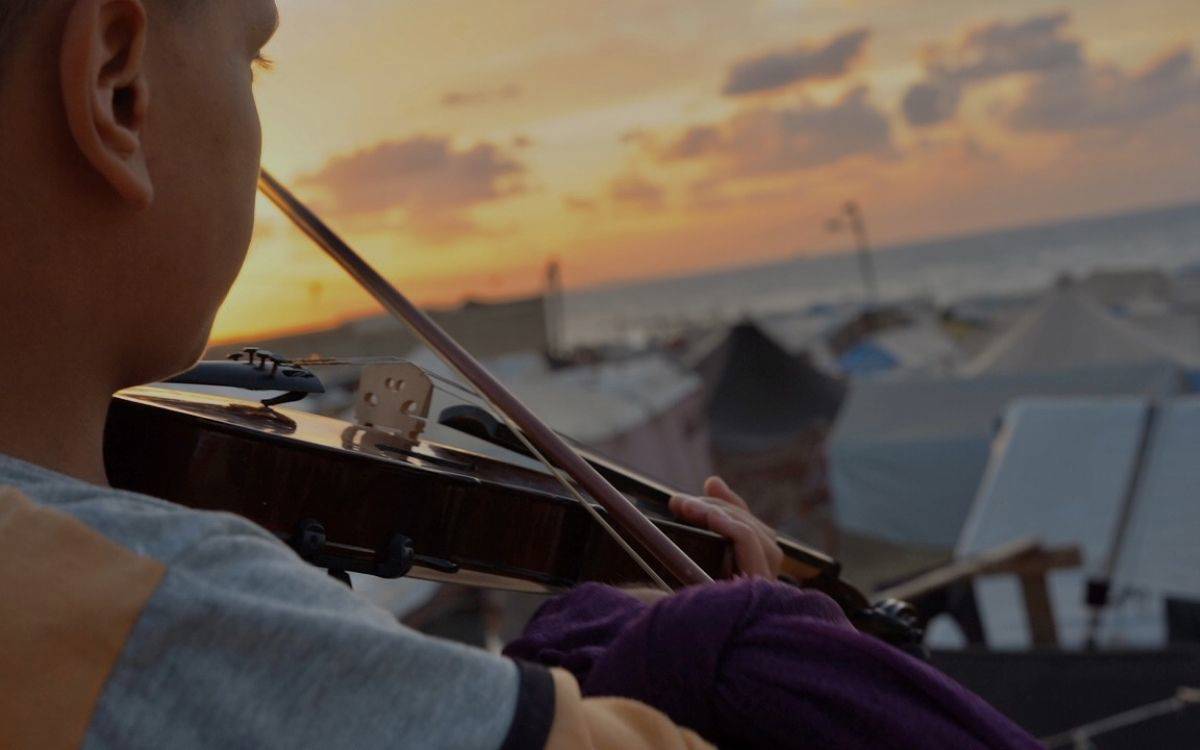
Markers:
point(754, 664)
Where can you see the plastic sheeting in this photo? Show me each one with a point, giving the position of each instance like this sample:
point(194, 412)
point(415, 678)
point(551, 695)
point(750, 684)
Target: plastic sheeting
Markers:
point(1061, 471)
point(922, 346)
point(762, 397)
point(907, 454)
point(1162, 544)
point(1067, 329)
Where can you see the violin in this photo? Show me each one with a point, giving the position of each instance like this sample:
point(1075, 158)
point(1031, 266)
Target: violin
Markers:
point(462, 496)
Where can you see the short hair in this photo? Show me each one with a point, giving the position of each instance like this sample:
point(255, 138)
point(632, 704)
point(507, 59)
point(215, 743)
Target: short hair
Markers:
point(13, 16)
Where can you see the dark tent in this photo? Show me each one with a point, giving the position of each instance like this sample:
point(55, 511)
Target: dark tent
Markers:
point(761, 397)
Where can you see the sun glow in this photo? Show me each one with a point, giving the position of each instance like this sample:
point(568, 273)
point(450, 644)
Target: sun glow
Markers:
point(460, 145)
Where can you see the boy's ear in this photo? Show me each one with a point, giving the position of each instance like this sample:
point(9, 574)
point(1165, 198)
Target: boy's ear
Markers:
point(105, 93)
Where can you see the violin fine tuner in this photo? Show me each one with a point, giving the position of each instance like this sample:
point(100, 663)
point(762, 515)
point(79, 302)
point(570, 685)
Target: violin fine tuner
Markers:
point(255, 369)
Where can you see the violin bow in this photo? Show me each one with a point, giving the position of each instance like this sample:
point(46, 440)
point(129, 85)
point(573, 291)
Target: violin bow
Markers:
point(542, 440)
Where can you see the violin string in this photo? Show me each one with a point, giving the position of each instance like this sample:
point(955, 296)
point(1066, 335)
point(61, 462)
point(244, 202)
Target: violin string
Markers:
point(570, 487)
point(592, 511)
point(463, 391)
point(482, 399)
point(565, 481)
point(318, 361)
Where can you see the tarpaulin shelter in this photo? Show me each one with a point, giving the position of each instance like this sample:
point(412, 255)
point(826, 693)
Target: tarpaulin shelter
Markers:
point(907, 454)
point(763, 397)
point(644, 412)
point(922, 346)
point(1068, 330)
point(1119, 478)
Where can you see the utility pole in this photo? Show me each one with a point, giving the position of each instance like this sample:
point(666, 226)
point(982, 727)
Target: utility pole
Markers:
point(553, 306)
point(851, 217)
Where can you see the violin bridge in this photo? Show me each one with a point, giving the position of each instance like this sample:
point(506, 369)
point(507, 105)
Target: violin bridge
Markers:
point(395, 398)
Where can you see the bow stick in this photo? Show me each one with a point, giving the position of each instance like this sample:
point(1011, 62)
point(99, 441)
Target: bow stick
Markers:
point(626, 517)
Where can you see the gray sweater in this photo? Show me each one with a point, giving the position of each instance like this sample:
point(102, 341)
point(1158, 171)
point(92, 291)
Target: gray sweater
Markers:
point(244, 645)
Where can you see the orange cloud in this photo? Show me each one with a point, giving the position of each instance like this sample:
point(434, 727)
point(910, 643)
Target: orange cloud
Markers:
point(773, 71)
point(433, 183)
point(769, 140)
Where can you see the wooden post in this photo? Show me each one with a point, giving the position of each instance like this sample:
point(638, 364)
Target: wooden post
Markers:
point(1042, 629)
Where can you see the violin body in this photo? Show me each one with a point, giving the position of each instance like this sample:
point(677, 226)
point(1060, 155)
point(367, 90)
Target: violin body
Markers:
point(500, 520)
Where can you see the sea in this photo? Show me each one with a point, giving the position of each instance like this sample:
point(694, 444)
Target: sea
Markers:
point(995, 263)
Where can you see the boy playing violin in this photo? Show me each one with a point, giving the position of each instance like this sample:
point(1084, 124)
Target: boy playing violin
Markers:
point(130, 151)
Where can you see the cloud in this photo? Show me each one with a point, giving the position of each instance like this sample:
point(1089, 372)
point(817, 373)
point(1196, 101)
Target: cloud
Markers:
point(999, 48)
point(928, 103)
point(776, 70)
point(579, 204)
point(425, 176)
point(1034, 45)
point(633, 191)
point(697, 140)
point(1105, 96)
point(1065, 91)
point(639, 137)
point(768, 140)
point(481, 96)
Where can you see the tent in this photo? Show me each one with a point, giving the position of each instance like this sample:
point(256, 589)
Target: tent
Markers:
point(922, 346)
point(806, 330)
point(645, 413)
point(907, 453)
point(1069, 471)
point(868, 357)
point(762, 397)
point(1067, 329)
point(1115, 288)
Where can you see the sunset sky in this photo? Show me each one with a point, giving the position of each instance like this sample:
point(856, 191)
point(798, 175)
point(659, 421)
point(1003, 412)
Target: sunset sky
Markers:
point(460, 144)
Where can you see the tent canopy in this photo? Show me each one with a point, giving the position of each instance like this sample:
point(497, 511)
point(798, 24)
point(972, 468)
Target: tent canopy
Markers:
point(1067, 329)
point(1062, 471)
point(763, 397)
point(907, 454)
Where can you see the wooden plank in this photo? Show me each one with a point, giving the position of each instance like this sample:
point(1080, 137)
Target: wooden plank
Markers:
point(958, 570)
point(1021, 557)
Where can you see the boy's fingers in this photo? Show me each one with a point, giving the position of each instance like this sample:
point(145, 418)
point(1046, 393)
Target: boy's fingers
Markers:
point(747, 543)
point(716, 487)
point(755, 549)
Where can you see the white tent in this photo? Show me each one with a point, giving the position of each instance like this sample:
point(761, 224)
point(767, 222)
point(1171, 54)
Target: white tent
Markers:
point(1063, 470)
point(1181, 329)
point(646, 413)
point(1121, 287)
point(922, 346)
point(907, 454)
point(1067, 329)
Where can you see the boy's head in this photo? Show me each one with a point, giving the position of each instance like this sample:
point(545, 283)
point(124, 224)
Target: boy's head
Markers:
point(129, 145)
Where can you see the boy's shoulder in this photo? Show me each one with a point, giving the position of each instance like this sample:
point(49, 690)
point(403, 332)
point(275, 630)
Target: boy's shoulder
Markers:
point(149, 526)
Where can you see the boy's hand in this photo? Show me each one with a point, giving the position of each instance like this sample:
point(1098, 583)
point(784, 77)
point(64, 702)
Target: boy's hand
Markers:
point(723, 511)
